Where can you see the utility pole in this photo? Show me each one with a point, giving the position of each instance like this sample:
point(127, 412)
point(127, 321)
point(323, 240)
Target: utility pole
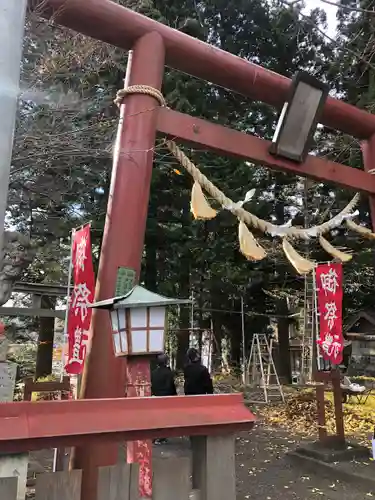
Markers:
point(12, 23)
point(243, 342)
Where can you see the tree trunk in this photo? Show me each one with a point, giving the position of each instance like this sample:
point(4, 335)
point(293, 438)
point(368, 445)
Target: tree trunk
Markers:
point(235, 344)
point(282, 307)
point(183, 336)
point(285, 370)
point(217, 336)
point(45, 346)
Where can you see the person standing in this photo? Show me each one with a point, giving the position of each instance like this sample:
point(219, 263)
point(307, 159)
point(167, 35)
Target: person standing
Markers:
point(197, 377)
point(162, 383)
point(162, 378)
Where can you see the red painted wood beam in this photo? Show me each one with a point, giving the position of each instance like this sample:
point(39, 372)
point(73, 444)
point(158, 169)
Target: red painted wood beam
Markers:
point(223, 140)
point(110, 22)
point(30, 426)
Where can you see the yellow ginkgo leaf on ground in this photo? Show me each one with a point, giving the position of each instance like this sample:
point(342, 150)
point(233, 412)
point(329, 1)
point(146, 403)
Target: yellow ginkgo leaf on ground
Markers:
point(299, 416)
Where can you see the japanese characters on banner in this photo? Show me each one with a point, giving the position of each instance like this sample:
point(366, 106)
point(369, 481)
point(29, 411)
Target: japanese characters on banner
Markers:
point(329, 286)
point(79, 314)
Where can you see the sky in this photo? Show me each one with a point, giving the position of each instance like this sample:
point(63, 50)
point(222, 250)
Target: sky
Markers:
point(330, 11)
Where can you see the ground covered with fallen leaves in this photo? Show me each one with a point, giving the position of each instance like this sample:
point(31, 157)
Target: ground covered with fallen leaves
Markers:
point(298, 415)
point(264, 472)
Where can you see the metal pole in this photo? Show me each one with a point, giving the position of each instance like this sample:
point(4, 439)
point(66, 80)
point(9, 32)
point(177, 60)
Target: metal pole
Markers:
point(70, 272)
point(56, 450)
point(12, 22)
point(117, 146)
point(122, 246)
point(191, 333)
point(243, 342)
point(368, 150)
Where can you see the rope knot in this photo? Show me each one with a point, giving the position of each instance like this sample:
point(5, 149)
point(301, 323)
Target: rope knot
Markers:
point(139, 89)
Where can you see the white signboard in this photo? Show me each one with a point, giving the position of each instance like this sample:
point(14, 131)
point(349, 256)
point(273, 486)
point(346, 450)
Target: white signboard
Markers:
point(58, 348)
point(8, 373)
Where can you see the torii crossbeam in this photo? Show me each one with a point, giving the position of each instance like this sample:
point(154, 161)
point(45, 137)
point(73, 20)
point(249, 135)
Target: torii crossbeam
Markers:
point(155, 45)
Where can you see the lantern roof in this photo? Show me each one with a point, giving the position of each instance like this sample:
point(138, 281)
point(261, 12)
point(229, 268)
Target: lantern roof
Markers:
point(138, 297)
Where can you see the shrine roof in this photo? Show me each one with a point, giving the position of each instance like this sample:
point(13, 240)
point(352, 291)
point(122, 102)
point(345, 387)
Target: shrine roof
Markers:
point(364, 316)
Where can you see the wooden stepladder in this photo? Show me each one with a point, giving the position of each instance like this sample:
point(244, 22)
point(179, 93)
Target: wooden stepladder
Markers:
point(262, 371)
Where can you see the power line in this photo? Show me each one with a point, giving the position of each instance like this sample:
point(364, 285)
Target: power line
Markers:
point(233, 311)
point(348, 7)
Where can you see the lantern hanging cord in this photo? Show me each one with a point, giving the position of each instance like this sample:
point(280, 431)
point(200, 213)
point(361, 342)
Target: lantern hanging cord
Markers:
point(228, 204)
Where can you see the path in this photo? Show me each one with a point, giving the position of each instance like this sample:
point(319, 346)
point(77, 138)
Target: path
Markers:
point(263, 472)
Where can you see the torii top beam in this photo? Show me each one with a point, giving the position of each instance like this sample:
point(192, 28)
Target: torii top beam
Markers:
point(114, 24)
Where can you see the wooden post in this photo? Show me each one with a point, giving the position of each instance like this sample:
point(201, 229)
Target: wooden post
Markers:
point(171, 479)
point(8, 488)
point(214, 467)
point(323, 378)
point(44, 354)
point(58, 486)
point(337, 399)
point(321, 413)
point(118, 482)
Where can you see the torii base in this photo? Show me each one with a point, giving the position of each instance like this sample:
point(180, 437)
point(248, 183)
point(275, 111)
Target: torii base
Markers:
point(334, 451)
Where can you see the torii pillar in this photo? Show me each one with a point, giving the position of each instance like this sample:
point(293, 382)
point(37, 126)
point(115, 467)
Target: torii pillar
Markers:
point(123, 239)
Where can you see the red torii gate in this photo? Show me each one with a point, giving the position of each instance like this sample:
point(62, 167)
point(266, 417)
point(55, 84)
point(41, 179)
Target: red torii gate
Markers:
point(155, 45)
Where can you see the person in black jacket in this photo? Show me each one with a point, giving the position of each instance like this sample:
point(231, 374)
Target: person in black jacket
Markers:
point(162, 383)
point(197, 377)
point(162, 378)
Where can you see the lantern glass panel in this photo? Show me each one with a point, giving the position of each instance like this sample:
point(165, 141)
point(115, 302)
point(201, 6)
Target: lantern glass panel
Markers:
point(138, 317)
point(114, 321)
point(121, 319)
point(139, 341)
point(157, 317)
point(116, 343)
point(124, 341)
point(156, 340)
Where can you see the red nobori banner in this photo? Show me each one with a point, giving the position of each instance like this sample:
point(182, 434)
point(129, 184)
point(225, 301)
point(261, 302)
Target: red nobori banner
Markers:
point(79, 314)
point(329, 286)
